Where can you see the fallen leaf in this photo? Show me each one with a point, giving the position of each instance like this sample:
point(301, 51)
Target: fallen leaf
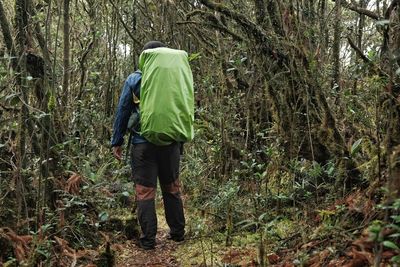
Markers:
point(273, 258)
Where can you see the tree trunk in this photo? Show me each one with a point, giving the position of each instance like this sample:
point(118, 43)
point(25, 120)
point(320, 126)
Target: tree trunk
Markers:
point(274, 16)
point(21, 15)
point(66, 56)
point(5, 27)
point(360, 30)
point(336, 47)
point(260, 12)
point(391, 105)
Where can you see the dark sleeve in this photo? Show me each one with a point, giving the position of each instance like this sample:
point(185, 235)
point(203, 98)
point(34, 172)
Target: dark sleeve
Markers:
point(124, 109)
point(136, 86)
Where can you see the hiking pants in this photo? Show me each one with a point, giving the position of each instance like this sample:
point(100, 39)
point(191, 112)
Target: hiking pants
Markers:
point(149, 162)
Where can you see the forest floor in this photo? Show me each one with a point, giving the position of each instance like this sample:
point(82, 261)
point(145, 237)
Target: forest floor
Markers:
point(318, 243)
point(335, 233)
point(129, 254)
point(207, 251)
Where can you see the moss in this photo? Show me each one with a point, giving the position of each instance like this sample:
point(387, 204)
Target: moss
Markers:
point(285, 228)
point(206, 250)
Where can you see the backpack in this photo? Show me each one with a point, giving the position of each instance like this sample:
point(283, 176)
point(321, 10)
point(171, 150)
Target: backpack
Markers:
point(166, 96)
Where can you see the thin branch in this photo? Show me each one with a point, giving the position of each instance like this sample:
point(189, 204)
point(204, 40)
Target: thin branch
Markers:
point(360, 10)
point(218, 27)
point(263, 39)
point(196, 12)
point(124, 24)
point(40, 38)
point(8, 109)
point(217, 24)
point(358, 50)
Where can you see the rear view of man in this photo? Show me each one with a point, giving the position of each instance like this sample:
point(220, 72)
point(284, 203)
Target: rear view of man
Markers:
point(161, 95)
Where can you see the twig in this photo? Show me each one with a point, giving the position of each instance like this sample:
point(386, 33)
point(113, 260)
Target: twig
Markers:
point(9, 108)
point(218, 27)
point(365, 58)
point(124, 24)
point(360, 10)
point(358, 50)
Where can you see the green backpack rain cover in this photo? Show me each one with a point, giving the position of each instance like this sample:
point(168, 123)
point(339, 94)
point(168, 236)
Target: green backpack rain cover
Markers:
point(166, 96)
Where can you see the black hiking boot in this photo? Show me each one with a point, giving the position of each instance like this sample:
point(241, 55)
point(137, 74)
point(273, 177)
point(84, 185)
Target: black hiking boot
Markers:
point(175, 238)
point(139, 244)
point(146, 247)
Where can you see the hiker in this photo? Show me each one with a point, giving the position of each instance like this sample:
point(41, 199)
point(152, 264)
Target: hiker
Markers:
point(155, 152)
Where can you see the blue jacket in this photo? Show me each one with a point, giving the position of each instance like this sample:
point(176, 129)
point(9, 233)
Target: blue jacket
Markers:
point(125, 108)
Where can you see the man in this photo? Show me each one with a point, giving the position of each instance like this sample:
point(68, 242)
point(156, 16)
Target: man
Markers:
point(148, 162)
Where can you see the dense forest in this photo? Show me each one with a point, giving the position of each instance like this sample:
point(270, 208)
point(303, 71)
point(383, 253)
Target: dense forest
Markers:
point(296, 155)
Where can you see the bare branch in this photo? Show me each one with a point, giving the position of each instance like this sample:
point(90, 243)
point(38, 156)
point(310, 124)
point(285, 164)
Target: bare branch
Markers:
point(124, 24)
point(262, 38)
point(360, 10)
point(358, 50)
point(214, 22)
point(374, 67)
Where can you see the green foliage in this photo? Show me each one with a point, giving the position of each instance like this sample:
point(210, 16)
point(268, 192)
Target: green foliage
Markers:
point(52, 103)
point(226, 195)
point(355, 148)
point(194, 56)
point(103, 216)
point(378, 228)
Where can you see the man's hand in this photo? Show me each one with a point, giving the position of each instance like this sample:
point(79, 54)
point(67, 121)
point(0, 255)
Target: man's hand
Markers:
point(117, 151)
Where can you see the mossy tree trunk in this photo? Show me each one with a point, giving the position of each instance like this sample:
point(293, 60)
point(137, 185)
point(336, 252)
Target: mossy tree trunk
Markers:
point(21, 11)
point(293, 81)
point(391, 64)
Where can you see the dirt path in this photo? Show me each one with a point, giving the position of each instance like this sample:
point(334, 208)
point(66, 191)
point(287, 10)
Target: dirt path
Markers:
point(129, 254)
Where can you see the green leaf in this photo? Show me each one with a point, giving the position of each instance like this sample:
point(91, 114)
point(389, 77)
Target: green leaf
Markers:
point(396, 204)
point(375, 228)
point(42, 252)
point(396, 259)
point(194, 56)
point(396, 218)
point(390, 244)
point(396, 235)
point(93, 176)
point(125, 194)
point(394, 226)
point(355, 148)
point(262, 216)
point(103, 216)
